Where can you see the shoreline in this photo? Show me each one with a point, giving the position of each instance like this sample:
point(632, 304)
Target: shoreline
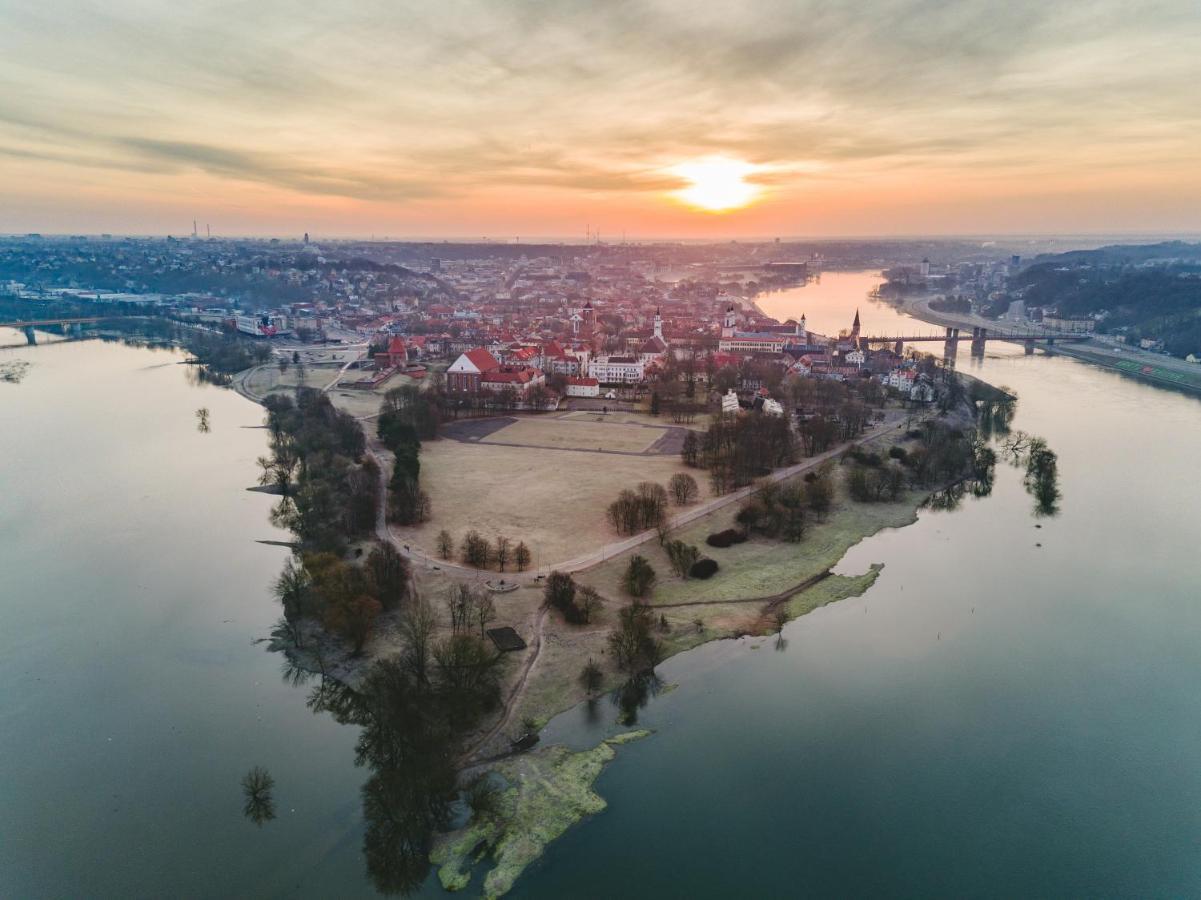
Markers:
point(764, 583)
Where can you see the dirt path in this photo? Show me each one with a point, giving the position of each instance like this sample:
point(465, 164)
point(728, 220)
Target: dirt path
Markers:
point(514, 699)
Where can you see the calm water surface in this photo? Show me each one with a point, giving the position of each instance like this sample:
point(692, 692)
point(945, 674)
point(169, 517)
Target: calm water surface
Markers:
point(993, 718)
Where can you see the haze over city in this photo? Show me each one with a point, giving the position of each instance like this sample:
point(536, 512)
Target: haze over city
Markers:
point(465, 119)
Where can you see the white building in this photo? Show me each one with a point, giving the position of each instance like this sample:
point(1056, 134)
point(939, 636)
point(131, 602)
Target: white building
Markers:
point(729, 402)
point(583, 387)
point(617, 369)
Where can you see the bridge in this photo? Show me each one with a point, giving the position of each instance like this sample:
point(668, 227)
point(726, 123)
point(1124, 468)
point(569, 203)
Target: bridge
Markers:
point(979, 336)
point(29, 324)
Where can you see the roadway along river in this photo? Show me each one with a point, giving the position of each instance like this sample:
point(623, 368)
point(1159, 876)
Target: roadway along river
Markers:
point(993, 718)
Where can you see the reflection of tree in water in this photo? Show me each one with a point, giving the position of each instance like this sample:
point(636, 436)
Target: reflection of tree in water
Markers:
point(410, 745)
point(1042, 470)
point(259, 806)
point(995, 414)
point(634, 694)
point(978, 482)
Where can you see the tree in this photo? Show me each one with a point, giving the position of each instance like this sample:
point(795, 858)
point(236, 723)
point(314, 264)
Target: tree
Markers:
point(468, 682)
point(388, 575)
point(633, 643)
point(819, 494)
point(591, 677)
point(690, 452)
point(446, 544)
point(521, 556)
point(485, 611)
point(588, 601)
point(502, 552)
point(559, 591)
point(639, 577)
point(654, 403)
point(460, 603)
point(684, 488)
point(417, 628)
point(353, 618)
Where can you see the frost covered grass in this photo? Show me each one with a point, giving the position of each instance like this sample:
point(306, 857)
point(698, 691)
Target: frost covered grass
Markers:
point(549, 791)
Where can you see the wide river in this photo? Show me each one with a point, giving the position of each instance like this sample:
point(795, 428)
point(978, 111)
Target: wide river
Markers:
point(1011, 710)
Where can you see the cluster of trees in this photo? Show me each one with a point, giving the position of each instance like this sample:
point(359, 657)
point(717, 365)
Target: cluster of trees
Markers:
point(942, 455)
point(412, 713)
point(776, 511)
point(330, 492)
point(476, 550)
point(407, 417)
point(577, 602)
point(736, 450)
point(223, 353)
point(637, 510)
point(345, 598)
point(875, 484)
point(682, 557)
point(469, 607)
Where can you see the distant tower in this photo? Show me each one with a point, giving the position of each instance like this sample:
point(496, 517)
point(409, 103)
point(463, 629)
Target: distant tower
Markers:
point(925, 268)
point(727, 329)
point(802, 332)
point(855, 328)
point(658, 324)
point(306, 238)
point(588, 314)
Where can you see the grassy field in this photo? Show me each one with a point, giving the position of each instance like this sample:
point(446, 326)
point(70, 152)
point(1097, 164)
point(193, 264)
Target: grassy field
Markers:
point(759, 567)
point(553, 501)
point(577, 434)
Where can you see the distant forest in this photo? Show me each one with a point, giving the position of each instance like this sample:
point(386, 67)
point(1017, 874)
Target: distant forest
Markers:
point(1150, 291)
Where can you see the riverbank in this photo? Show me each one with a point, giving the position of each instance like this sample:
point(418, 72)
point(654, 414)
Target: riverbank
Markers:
point(1132, 362)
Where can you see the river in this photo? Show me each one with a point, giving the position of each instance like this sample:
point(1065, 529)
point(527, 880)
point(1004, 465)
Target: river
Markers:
point(1011, 709)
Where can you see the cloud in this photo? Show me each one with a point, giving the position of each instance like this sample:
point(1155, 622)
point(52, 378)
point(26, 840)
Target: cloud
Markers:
point(395, 102)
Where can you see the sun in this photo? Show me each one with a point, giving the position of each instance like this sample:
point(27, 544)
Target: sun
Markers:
point(718, 183)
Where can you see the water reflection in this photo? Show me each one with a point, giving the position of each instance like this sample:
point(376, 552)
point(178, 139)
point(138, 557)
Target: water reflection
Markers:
point(257, 787)
point(407, 743)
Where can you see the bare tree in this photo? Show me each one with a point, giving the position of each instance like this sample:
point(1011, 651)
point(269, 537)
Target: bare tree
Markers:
point(446, 544)
point(521, 556)
point(485, 611)
point(502, 552)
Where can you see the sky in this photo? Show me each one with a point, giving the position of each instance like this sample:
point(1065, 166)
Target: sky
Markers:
point(506, 118)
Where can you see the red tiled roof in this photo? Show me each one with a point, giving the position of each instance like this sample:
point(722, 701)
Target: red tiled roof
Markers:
point(482, 360)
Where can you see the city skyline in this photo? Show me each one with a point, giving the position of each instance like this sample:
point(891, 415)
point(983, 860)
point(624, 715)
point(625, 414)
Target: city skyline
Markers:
point(907, 118)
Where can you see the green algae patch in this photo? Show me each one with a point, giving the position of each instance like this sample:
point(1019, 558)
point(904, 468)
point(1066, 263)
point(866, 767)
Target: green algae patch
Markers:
point(549, 791)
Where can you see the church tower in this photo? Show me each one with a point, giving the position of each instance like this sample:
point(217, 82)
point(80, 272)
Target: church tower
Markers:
point(802, 332)
point(658, 324)
point(855, 328)
point(727, 329)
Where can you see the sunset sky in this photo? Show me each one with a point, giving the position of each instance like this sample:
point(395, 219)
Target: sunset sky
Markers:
point(466, 118)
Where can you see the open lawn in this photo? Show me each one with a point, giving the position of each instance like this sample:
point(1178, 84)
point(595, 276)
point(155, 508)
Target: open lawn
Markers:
point(554, 501)
point(576, 435)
